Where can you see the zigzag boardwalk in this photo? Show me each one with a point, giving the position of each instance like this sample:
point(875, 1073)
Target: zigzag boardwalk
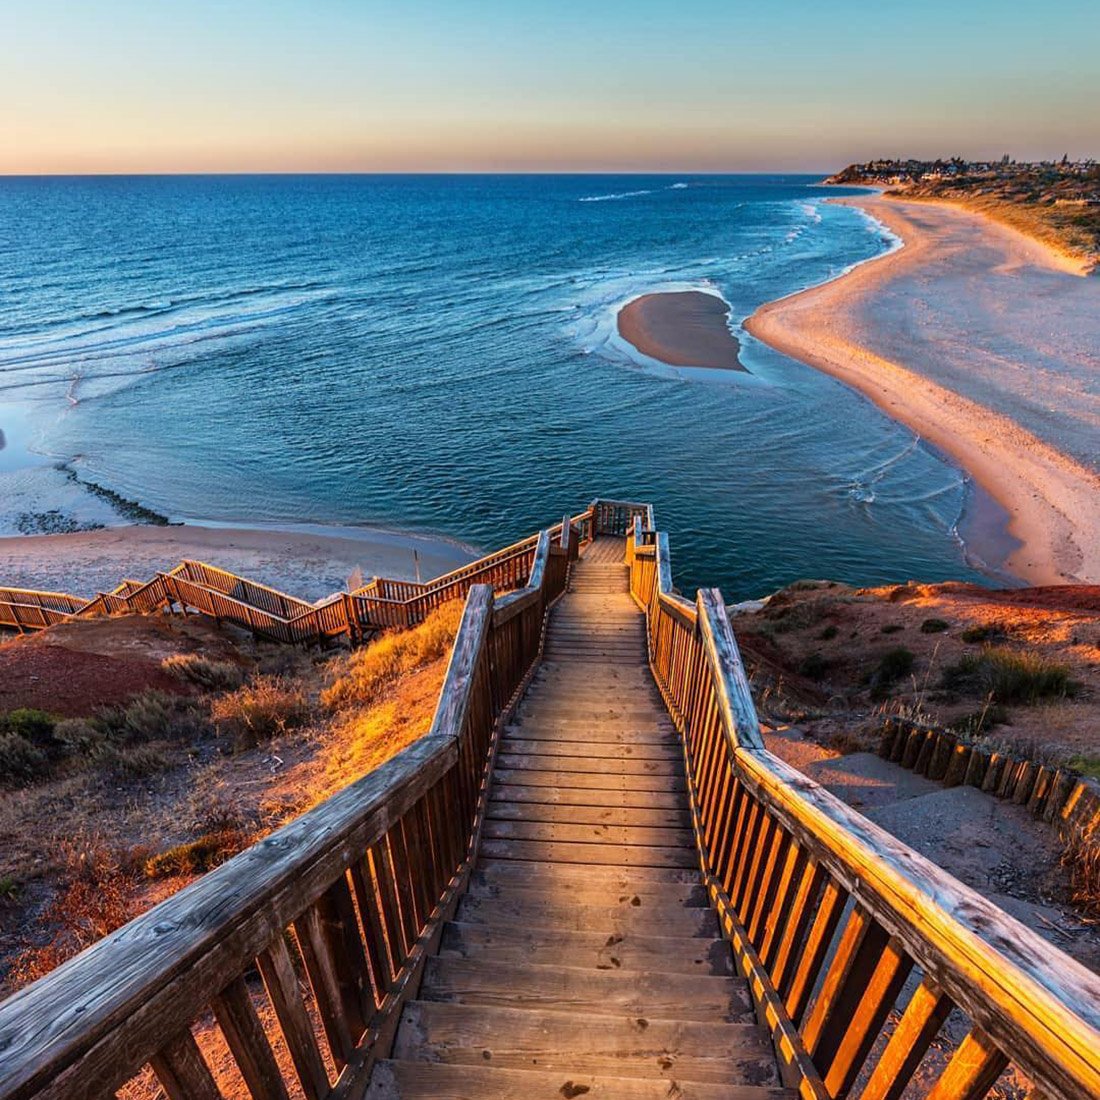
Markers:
point(584, 958)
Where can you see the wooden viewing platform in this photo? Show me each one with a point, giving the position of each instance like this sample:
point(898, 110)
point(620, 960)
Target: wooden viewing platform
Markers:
point(589, 878)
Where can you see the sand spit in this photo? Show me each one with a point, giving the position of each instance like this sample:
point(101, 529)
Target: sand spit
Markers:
point(983, 342)
point(683, 329)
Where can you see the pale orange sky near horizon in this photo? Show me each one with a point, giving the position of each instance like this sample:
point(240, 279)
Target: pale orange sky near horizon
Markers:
point(120, 87)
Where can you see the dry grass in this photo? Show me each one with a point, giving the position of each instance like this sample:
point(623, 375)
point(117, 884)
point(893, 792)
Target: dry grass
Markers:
point(203, 672)
point(260, 710)
point(1081, 857)
point(98, 897)
point(366, 673)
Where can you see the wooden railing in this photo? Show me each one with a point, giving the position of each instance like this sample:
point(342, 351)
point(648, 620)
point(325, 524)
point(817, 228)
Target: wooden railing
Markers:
point(274, 615)
point(856, 947)
point(329, 918)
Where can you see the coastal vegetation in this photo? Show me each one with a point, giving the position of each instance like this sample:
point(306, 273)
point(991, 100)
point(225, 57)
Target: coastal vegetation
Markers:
point(1057, 202)
point(110, 808)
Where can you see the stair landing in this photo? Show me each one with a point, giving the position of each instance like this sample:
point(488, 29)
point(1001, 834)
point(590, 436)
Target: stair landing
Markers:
point(584, 959)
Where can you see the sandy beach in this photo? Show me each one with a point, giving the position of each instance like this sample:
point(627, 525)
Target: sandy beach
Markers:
point(682, 328)
point(984, 342)
point(309, 563)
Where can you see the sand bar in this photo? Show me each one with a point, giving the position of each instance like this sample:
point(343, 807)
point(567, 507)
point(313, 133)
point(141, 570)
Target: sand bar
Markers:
point(984, 342)
point(309, 563)
point(684, 328)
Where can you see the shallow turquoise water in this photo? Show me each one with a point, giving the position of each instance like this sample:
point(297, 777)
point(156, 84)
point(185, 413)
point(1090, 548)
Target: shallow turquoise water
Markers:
point(438, 353)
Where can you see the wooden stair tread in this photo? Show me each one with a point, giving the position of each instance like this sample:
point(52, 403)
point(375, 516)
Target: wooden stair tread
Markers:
point(645, 836)
point(584, 892)
point(623, 854)
point(588, 950)
point(629, 1046)
point(518, 790)
point(398, 1080)
point(609, 919)
point(649, 816)
point(613, 878)
point(485, 981)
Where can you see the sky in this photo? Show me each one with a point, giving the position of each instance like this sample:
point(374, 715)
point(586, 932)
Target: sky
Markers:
point(120, 86)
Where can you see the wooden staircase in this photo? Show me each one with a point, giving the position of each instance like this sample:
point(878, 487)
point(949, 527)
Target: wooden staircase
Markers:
point(584, 959)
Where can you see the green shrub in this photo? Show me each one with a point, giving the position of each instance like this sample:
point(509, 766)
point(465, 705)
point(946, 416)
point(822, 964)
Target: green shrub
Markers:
point(196, 857)
point(814, 666)
point(891, 628)
point(208, 674)
point(981, 721)
point(829, 633)
point(934, 626)
point(892, 666)
point(35, 725)
point(152, 716)
point(1008, 676)
point(21, 761)
point(978, 633)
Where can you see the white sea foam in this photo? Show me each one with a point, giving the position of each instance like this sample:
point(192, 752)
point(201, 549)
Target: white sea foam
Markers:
point(678, 187)
point(614, 197)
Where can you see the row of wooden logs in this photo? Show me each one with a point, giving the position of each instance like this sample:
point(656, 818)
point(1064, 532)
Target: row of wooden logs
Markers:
point(1054, 794)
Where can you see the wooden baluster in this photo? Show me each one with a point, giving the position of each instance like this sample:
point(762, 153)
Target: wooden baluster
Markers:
point(327, 985)
point(746, 904)
point(755, 826)
point(182, 1072)
point(776, 920)
point(829, 910)
point(402, 877)
point(367, 898)
point(921, 1022)
point(861, 986)
point(972, 1071)
point(745, 811)
point(277, 969)
point(248, 1042)
point(770, 883)
point(396, 937)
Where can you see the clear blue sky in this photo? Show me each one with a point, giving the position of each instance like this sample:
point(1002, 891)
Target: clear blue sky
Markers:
point(588, 85)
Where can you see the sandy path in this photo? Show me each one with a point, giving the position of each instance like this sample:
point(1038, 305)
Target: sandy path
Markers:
point(305, 563)
point(985, 343)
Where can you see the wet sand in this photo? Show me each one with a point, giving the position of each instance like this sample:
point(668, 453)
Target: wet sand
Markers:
point(308, 563)
point(984, 342)
point(683, 329)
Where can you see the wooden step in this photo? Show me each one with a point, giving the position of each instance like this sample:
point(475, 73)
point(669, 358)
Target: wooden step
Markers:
point(626, 1046)
point(650, 817)
point(572, 989)
point(601, 765)
point(518, 791)
point(397, 1080)
point(530, 777)
point(624, 855)
point(658, 920)
point(647, 750)
point(639, 894)
point(587, 950)
point(500, 871)
point(657, 733)
point(646, 836)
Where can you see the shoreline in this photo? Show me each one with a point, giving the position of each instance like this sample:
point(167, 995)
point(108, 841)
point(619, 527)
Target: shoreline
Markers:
point(304, 561)
point(1051, 500)
point(681, 328)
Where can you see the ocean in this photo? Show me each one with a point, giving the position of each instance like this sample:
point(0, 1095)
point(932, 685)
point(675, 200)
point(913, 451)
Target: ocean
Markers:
point(439, 354)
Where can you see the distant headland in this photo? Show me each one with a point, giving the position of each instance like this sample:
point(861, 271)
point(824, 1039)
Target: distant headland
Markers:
point(1057, 202)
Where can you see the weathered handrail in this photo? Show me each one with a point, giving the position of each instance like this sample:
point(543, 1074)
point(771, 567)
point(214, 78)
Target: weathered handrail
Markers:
point(353, 894)
point(271, 614)
point(832, 919)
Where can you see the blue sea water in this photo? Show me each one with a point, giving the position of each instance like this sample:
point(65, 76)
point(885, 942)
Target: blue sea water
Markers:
point(439, 354)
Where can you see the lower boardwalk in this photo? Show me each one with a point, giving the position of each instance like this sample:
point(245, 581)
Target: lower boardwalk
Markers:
point(584, 959)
